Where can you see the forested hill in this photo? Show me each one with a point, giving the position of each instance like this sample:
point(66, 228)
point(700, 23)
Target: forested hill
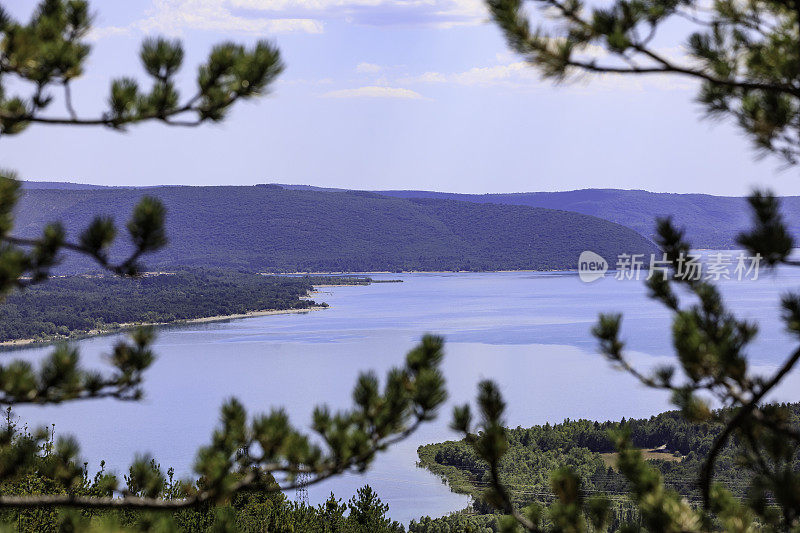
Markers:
point(270, 228)
point(674, 446)
point(59, 185)
point(711, 221)
point(77, 305)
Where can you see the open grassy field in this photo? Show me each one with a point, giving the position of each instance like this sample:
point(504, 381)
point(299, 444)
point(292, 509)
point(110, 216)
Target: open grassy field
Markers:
point(610, 459)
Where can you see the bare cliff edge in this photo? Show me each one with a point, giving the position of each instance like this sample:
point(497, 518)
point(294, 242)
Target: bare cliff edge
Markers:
point(267, 228)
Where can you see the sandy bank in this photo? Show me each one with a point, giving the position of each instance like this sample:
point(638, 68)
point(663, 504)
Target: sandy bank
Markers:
point(127, 326)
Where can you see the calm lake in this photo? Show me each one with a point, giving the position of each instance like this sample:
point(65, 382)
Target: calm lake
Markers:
point(529, 331)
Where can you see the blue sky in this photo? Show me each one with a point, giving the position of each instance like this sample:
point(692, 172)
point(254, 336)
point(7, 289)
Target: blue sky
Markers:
point(389, 94)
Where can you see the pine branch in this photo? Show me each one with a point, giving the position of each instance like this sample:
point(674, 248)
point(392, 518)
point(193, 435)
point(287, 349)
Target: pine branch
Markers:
point(378, 420)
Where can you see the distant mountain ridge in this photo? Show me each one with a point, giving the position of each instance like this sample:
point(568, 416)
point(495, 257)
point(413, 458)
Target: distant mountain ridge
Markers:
point(67, 185)
point(710, 221)
point(278, 229)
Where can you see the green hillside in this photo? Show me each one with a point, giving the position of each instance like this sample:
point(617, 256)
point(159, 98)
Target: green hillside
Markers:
point(711, 221)
point(671, 444)
point(269, 228)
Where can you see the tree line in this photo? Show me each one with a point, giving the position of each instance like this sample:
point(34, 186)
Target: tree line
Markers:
point(535, 453)
point(76, 305)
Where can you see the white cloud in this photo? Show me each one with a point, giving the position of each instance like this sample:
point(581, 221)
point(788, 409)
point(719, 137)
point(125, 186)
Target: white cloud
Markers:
point(513, 75)
point(172, 16)
point(374, 91)
point(429, 77)
point(266, 17)
point(273, 16)
point(369, 68)
point(108, 31)
point(448, 10)
point(294, 25)
point(522, 75)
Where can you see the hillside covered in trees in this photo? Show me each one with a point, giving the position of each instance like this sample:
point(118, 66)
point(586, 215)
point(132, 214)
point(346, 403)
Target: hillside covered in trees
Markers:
point(711, 221)
point(76, 305)
point(267, 228)
point(672, 444)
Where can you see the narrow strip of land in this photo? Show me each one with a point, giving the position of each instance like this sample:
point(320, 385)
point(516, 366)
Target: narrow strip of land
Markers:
point(83, 306)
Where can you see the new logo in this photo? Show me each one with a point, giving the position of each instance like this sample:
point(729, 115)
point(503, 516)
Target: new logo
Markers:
point(591, 266)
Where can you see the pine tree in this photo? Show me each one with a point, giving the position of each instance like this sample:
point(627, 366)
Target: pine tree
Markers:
point(246, 453)
point(743, 53)
point(369, 512)
point(747, 57)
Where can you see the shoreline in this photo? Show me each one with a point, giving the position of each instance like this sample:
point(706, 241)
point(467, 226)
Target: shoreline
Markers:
point(35, 342)
point(10, 345)
point(366, 273)
point(18, 343)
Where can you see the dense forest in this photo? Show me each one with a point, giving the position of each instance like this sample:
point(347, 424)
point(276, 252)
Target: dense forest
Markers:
point(676, 447)
point(267, 228)
point(76, 305)
point(711, 221)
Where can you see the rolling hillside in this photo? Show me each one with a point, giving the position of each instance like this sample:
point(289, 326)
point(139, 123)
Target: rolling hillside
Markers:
point(270, 228)
point(711, 221)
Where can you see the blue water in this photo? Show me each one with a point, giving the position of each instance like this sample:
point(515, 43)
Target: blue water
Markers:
point(529, 331)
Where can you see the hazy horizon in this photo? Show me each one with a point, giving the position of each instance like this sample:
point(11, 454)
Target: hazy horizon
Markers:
point(308, 185)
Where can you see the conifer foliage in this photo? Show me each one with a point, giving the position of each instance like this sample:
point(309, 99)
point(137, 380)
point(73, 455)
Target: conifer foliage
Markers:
point(50, 51)
point(263, 452)
point(744, 54)
point(710, 344)
point(747, 57)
